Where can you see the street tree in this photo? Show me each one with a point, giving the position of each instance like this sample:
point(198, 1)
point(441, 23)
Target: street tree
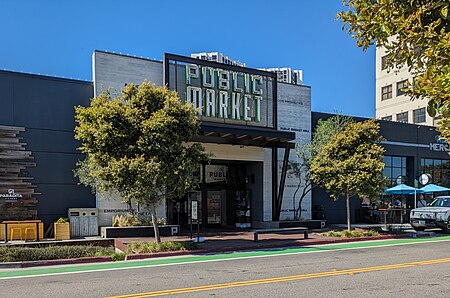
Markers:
point(351, 163)
point(139, 144)
point(307, 150)
point(416, 34)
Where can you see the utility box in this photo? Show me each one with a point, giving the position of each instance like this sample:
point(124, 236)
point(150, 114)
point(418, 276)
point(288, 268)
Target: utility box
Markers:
point(83, 222)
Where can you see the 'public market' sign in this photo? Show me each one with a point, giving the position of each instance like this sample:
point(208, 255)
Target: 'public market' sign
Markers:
point(223, 93)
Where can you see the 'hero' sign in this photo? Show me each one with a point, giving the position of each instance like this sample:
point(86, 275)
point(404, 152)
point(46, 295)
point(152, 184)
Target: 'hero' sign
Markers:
point(439, 145)
point(223, 93)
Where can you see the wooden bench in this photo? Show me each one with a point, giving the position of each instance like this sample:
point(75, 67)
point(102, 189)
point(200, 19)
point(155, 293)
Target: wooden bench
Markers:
point(281, 231)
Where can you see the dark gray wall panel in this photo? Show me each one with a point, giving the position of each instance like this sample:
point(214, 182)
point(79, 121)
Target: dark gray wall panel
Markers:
point(51, 140)
point(6, 99)
point(48, 103)
point(56, 199)
point(45, 107)
point(255, 173)
point(335, 211)
point(54, 168)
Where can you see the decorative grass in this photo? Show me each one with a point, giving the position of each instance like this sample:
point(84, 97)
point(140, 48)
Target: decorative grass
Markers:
point(149, 247)
point(351, 234)
point(16, 254)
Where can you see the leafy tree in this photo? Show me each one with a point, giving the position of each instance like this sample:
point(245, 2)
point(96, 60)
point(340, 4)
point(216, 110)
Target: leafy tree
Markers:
point(351, 163)
point(306, 151)
point(415, 33)
point(138, 144)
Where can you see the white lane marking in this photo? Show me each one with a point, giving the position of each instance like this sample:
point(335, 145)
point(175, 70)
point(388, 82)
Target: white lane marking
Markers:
point(230, 259)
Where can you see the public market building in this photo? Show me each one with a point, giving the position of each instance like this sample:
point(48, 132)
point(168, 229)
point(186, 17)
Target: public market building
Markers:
point(250, 122)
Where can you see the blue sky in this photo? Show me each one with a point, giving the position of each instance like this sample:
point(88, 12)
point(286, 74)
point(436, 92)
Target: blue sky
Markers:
point(57, 38)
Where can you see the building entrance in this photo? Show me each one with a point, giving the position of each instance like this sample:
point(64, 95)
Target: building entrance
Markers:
point(225, 196)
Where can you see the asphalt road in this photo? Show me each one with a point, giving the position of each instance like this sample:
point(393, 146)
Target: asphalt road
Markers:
point(316, 274)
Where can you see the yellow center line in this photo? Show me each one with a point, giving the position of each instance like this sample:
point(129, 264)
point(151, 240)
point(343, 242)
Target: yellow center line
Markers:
point(283, 279)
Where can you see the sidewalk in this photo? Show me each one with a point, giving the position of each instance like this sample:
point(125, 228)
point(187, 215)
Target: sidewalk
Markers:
point(243, 240)
point(215, 242)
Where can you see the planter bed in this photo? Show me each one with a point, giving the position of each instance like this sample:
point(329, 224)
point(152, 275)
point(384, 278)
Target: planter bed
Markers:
point(142, 231)
point(310, 224)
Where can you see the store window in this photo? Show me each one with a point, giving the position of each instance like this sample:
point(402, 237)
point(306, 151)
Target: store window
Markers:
point(386, 92)
point(402, 117)
point(383, 62)
point(419, 115)
point(400, 86)
point(438, 169)
point(387, 118)
point(394, 166)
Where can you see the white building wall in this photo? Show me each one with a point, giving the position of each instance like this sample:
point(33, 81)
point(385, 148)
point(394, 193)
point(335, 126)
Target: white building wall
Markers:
point(287, 75)
point(396, 104)
point(294, 114)
point(110, 203)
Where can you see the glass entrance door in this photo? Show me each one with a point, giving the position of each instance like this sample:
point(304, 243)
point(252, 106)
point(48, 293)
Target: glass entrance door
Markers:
point(215, 206)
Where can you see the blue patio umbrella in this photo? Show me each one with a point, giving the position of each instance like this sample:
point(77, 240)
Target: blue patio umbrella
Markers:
point(432, 188)
point(402, 189)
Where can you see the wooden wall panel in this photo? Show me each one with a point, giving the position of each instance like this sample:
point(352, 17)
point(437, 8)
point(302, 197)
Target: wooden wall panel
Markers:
point(17, 192)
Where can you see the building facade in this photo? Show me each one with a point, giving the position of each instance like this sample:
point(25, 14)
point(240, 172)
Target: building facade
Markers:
point(411, 150)
point(41, 109)
point(287, 75)
point(217, 57)
point(392, 103)
point(249, 123)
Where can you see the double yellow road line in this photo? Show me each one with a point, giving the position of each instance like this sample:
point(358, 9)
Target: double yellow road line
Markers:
point(282, 279)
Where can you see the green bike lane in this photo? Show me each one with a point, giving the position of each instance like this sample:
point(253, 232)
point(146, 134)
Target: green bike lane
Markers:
point(168, 261)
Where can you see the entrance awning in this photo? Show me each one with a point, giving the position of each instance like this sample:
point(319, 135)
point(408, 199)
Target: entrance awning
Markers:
point(222, 133)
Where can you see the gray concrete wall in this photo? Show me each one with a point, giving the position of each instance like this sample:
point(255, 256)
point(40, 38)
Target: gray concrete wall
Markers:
point(113, 71)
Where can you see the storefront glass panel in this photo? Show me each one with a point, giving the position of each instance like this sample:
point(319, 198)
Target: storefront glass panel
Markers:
point(214, 202)
point(395, 166)
point(438, 169)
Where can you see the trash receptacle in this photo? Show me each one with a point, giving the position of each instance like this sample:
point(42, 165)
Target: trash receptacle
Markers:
point(318, 212)
point(83, 222)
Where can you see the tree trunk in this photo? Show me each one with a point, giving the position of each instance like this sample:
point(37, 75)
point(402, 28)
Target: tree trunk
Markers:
point(152, 208)
point(348, 211)
point(306, 190)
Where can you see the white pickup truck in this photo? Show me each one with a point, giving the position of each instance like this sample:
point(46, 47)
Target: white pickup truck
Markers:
point(435, 215)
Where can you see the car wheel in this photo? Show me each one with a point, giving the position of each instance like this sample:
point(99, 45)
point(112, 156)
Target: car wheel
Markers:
point(419, 229)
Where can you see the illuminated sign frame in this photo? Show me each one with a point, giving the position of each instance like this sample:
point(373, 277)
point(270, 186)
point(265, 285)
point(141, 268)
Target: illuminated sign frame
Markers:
point(228, 70)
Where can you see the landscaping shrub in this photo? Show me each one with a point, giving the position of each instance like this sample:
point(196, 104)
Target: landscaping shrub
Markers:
point(149, 247)
point(15, 254)
point(118, 256)
point(351, 234)
point(134, 220)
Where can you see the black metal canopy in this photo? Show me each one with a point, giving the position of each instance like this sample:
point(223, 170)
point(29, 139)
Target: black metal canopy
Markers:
point(221, 133)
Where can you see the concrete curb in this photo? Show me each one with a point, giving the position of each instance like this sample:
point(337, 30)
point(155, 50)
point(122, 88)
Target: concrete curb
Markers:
point(28, 264)
point(254, 247)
